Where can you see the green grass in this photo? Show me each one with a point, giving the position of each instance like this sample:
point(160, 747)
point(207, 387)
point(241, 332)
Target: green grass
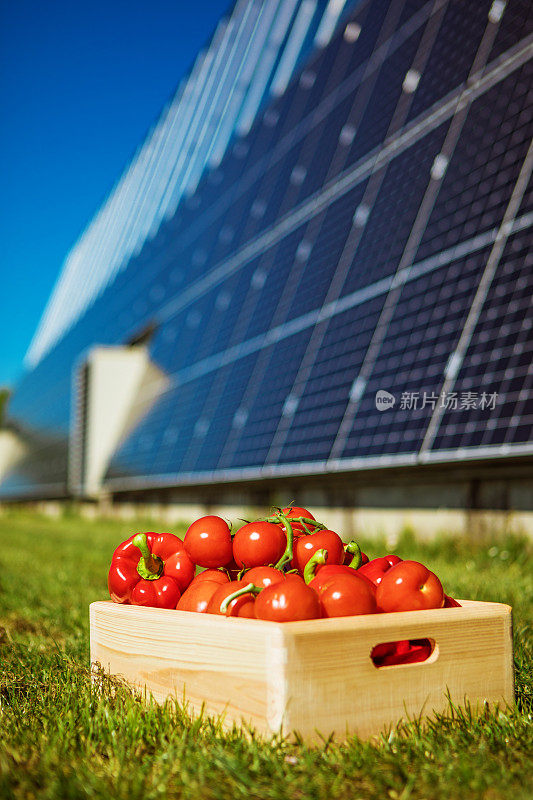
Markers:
point(61, 739)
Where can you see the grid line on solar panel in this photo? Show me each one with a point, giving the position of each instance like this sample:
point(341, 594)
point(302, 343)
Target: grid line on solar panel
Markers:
point(222, 414)
point(252, 445)
point(279, 189)
point(254, 307)
point(405, 138)
point(496, 362)
point(195, 226)
point(349, 302)
point(342, 271)
point(516, 22)
point(285, 295)
point(480, 178)
point(484, 286)
point(321, 407)
point(339, 153)
point(412, 244)
point(423, 330)
point(205, 440)
point(390, 211)
point(453, 55)
point(179, 410)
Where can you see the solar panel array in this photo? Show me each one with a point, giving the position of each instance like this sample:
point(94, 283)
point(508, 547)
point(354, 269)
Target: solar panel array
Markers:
point(368, 235)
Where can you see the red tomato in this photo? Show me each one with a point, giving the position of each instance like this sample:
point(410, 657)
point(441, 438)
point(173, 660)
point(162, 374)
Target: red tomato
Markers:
point(222, 592)
point(306, 546)
point(409, 586)
point(162, 593)
point(216, 575)
point(346, 595)
point(208, 542)
point(375, 570)
point(297, 511)
point(197, 596)
point(287, 601)
point(263, 576)
point(180, 567)
point(325, 573)
point(258, 543)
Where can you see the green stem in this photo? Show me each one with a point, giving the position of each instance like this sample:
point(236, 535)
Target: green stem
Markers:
point(318, 526)
point(286, 558)
point(150, 567)
point(310, 568)
point(250, 588)
point(354, 550)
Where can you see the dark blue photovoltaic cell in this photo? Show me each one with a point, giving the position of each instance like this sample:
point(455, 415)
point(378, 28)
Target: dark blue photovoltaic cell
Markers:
point(271, 287)
point(254, 440)
point(323, 155)
point(453, 53)
point(376, 117)
point(485, 165)
point(516, 24)
point(220, 411)
point(391, 217)
point(498, 360)
point(423, 331)
point(324, 241)
point(323, 403)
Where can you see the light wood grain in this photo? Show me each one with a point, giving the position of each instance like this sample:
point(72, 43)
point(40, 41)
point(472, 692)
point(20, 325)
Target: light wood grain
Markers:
point(314, 677)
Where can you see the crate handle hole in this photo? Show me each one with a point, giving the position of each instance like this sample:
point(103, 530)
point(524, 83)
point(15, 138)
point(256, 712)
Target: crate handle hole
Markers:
point(406, 651)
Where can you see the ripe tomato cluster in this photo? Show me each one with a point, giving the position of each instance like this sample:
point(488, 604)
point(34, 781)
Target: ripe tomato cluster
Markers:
point(284, 567)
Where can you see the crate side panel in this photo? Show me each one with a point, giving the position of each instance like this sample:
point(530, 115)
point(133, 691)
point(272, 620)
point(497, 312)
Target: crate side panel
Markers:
point(333, 687)
point(221, 668)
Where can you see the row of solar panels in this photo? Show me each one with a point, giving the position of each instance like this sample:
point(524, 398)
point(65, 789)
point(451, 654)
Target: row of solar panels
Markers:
point(351, 286)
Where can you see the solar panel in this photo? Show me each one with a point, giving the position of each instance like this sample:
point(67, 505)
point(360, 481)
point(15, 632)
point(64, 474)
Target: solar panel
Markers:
point(493, 391)
point(367, 236)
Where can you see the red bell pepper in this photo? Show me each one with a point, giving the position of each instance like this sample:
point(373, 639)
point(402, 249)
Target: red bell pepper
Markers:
point(150, 569)
point(402, 652)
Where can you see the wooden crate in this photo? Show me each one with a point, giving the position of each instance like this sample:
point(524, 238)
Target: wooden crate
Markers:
point(314, 677)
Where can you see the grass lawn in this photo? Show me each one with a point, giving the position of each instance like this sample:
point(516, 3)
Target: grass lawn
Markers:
point(59, 739)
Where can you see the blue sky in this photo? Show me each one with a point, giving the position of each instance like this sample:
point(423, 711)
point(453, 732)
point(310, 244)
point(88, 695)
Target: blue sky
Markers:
point(80, 84)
